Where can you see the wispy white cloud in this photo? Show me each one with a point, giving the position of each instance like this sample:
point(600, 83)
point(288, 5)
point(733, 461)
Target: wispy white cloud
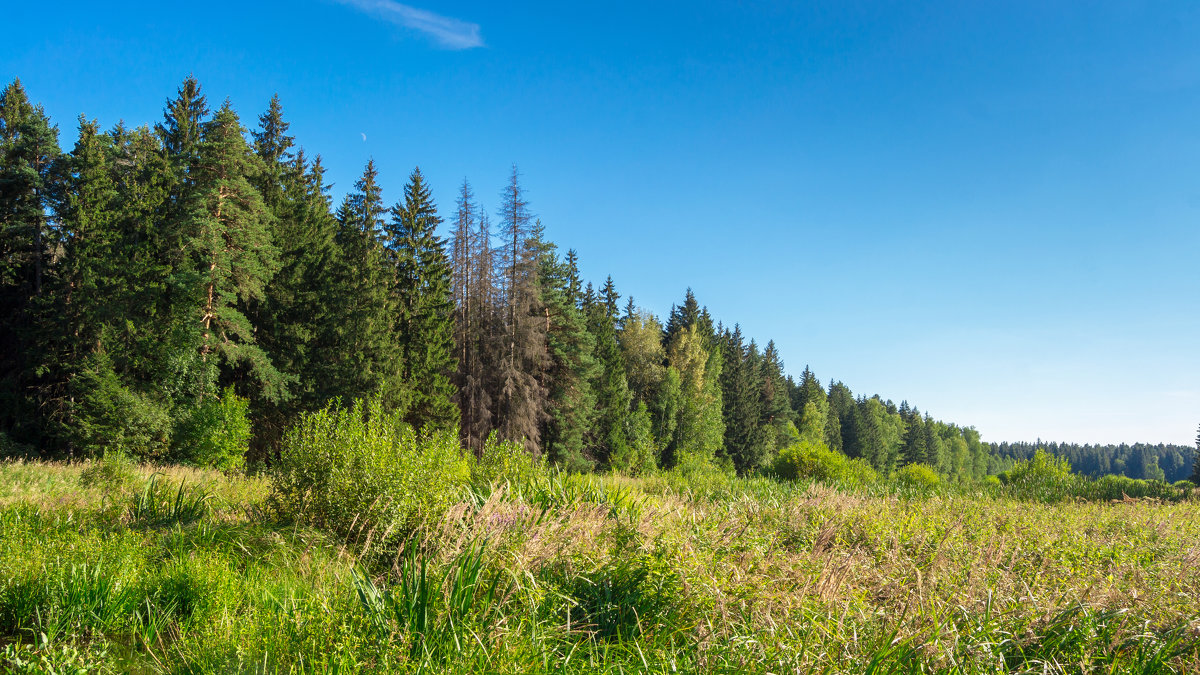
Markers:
point(447, 32)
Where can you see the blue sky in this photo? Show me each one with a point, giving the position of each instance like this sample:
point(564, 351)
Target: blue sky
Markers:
point(990, 211)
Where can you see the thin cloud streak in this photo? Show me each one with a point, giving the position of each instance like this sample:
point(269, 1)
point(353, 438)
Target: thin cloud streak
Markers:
point(447, 32)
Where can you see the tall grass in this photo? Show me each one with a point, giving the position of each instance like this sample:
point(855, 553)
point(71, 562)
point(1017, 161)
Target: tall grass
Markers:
point(593, 574)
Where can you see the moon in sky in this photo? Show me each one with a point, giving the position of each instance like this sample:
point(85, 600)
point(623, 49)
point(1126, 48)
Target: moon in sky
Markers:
point(364, 136)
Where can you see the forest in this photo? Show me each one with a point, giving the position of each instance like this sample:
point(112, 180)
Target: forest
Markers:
point(185, 292)
point(246, 427)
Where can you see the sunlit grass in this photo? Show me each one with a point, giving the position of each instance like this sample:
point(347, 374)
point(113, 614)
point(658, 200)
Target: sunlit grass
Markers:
point(581, 574)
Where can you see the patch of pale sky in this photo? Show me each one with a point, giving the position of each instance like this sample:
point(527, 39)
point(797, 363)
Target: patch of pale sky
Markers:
point(446, 31)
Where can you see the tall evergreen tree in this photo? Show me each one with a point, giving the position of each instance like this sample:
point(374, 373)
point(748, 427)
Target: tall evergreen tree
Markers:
point(425, 306)
point(365, 359)
point(813, 409)
point(740, 396)
point(775, 413)
point(613, 399)
point(232, 251)
point(294, 323)
point(28, 151)
point(572, 367)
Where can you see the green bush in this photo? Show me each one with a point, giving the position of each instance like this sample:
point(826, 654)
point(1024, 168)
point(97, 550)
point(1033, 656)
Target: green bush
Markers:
point(639, 454)
point(113, 472)
point(362, 472)
point(217, 433)
point(918, 476)
point(808, 459)
point(1044, 477)
point(107, 413)
point(1042, 467)
point(1120, 487)
point(1185, 485)
point(506, 462)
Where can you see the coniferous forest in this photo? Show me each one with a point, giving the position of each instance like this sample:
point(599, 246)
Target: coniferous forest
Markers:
point(185, 290)
point(247, 426)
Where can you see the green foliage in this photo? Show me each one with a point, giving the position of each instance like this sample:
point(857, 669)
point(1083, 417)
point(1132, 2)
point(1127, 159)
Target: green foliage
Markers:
point(506, 462)
point(918, 476)
point(630, 598)
point(217, 433)
point(439, 614)
point(815, 461)
point(113, 472)
point(1043, 477)
point(161, 503)
point(362, 472)
point(1043, 467)
point(639, 455)
point(111, 414)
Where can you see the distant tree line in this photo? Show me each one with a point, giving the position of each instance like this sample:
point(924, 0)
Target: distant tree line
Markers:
point(1140, 460)
point(157, 281)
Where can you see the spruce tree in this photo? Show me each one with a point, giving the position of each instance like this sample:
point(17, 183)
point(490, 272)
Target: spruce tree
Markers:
point(740, 395)
point(294, 323)
point(424, 307)
point(916, 447)
point(774, 411)
point(613, 400)
point(364, 355)
point(572, 368)
point(84, 298)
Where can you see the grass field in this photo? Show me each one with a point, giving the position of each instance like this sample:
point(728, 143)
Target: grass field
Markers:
point(108, 568)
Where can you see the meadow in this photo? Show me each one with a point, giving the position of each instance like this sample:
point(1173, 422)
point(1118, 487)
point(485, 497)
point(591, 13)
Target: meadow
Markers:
point(502, 565)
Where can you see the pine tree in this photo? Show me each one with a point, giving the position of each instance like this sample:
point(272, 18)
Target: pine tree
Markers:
point(231, 248)
point(28, 151)
point(425, 307)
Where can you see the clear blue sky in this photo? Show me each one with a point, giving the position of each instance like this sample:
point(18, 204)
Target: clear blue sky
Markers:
point(990, 211)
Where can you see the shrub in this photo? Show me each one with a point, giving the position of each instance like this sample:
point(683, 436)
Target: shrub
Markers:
point(1042, 467)
point(506, 462)
point(1044, 477)
point(992, 481)
point(217, 433)
point(808, 459)
point(362, 471)
point(639, 454)
point(112, 473)
point(918, 476)
point(1120, 487)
